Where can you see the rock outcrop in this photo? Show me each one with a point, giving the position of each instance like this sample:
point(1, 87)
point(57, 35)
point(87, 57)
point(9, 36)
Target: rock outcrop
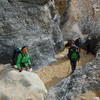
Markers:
point(83, 17)
point(21, 86)
point(23, 23)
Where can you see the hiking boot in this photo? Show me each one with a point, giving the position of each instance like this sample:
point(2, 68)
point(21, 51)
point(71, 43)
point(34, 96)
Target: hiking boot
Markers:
point(20, 70)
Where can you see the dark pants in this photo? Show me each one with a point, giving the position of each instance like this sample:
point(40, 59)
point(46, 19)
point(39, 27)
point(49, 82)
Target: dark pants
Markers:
point(73, 65)
point(90, 50)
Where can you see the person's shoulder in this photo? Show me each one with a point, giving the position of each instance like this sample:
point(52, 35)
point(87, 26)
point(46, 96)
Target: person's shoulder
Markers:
point(20, 54)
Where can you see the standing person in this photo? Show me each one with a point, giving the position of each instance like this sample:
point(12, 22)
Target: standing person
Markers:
point(91, 44)
point(23, 60)
point(73, 56)
point(88, 45)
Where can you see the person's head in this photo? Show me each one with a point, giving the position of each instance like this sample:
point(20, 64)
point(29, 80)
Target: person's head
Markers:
point(24, 50)
point(79, 38)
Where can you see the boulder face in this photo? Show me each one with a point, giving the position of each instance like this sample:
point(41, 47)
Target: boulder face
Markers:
point(82, 80)
point(83, 17)
point(21, 86)
point(23, 23)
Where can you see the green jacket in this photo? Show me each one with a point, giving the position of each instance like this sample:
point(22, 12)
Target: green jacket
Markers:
point(23, 58)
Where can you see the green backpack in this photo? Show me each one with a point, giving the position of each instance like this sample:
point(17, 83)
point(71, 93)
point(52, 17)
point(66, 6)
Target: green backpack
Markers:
point(74, 54)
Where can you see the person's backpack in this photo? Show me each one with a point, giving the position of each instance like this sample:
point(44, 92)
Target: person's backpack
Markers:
point(15, 55)
point(74, 53)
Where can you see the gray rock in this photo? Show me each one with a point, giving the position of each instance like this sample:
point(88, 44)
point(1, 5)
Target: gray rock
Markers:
point(87, 18)
point(31, 25)
point(3, 96)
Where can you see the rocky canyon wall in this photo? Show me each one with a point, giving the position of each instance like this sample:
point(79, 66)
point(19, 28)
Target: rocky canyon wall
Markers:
point(28, 23)
point(83, 18)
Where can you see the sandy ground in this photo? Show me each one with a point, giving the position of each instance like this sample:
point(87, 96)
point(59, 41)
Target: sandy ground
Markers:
point(54, 73)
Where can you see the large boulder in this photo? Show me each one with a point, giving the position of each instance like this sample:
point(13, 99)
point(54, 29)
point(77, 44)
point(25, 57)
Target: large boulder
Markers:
point(21, 86)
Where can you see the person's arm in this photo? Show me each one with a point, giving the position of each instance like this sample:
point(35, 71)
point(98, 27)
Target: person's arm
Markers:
point(18, 63)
